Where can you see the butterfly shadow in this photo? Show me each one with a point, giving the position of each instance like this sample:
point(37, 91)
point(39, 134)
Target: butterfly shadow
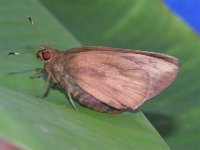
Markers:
point(164, 124)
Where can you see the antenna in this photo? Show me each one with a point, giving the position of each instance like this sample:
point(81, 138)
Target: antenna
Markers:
point(16, 53)
point(36, 29)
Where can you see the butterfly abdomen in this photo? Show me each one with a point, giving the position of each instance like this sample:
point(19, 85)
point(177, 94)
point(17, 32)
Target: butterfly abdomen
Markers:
point(86, 99)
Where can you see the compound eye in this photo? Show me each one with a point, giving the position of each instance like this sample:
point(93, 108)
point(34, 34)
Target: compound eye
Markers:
point(46, 55)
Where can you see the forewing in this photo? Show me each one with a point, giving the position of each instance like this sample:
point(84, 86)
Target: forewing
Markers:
point(162, 69)
point(112, 79)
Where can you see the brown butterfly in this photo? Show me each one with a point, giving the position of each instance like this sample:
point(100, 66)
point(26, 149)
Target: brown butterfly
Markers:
point(108, 79)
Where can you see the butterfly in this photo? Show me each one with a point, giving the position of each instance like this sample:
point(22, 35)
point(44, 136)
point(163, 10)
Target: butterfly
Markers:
point(108, 79)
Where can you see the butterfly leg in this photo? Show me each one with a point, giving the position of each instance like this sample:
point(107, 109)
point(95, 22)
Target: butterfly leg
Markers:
point(38, 73)
point(71, 101)
point(46, 86)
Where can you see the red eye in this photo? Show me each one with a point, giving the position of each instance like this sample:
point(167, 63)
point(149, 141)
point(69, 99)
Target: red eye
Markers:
point(46, 55)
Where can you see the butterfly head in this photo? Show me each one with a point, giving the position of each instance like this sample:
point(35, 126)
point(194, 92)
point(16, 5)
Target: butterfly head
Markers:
point(44, 53)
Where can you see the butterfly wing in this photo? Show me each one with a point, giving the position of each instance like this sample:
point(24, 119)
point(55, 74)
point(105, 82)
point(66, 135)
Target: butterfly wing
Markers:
point(113, 80)
point(121, 79)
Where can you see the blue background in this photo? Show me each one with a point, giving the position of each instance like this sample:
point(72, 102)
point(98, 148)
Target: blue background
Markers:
point(188, 10)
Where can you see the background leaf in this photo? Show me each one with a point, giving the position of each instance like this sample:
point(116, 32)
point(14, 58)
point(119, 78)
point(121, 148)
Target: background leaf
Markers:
point(51, 123)
point(147, 25)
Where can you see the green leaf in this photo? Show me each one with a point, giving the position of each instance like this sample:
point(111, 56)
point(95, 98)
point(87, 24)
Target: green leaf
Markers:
point(147, 25)
point(51, 123)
